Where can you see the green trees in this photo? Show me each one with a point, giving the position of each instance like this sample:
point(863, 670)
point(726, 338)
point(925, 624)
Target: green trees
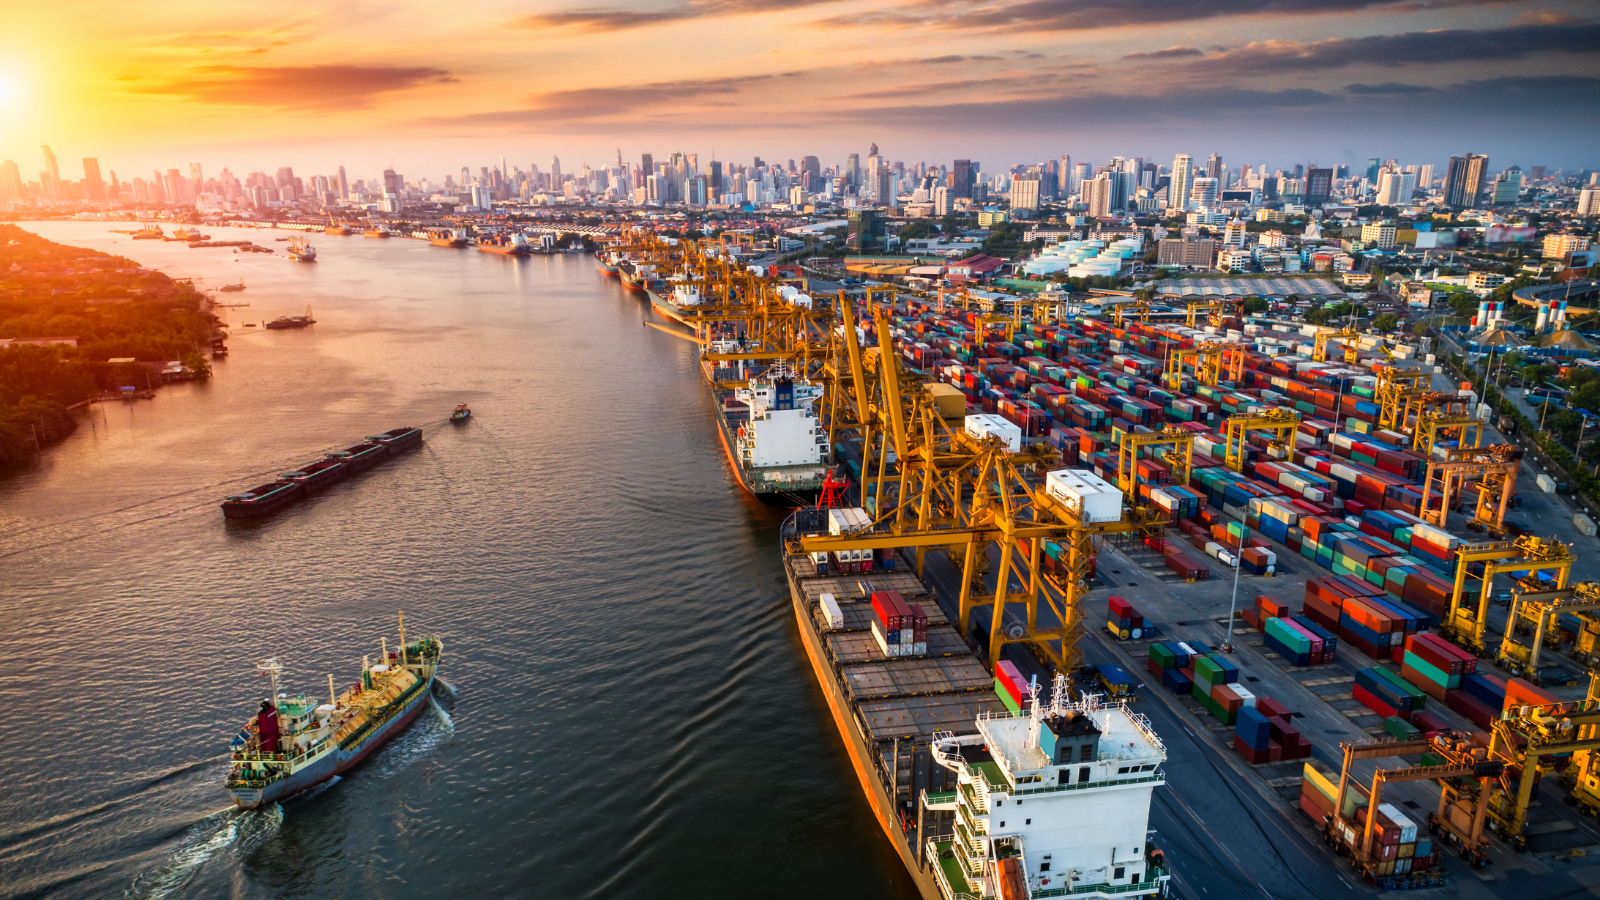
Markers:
point(1386, 323)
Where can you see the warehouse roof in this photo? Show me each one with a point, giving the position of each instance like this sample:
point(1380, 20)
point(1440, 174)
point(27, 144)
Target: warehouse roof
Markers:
point(1248, 287)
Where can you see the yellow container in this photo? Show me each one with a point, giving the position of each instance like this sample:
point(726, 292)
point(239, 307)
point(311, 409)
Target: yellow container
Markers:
point(1117, 630)
point(948, 400)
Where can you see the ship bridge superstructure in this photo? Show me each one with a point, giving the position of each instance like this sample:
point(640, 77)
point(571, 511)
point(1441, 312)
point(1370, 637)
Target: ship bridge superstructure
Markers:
point(783, 427)
point(1056, 797)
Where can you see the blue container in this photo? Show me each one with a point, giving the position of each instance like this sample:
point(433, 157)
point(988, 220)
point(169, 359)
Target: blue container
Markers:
point(1330, 641)
point(1424, 619)
point(1383, 605)
point(1198, 647)
point(1230, 672)
point(1483, 691)
point(1254, 728)
point(1177, 681)
point(1347, 624)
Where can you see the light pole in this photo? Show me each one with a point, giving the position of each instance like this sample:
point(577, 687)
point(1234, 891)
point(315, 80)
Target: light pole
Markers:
point(1233, 604)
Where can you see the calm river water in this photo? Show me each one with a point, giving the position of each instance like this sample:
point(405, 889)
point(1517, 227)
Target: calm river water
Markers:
point(628, 712)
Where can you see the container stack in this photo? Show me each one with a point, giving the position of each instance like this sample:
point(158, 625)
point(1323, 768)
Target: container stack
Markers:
point(1386, 693)
point(1480, 699)
point(1396, 845)
point(1435, 665)
point(850, 521)
point(1125, 623)
point(1215, 685)
point(1300, 643)
point(1264, 733)
point(1366, 617)
point(1012, 689)
point(900, 628)
point(1262, 608)
point(1319, 791)
point(1173, 663)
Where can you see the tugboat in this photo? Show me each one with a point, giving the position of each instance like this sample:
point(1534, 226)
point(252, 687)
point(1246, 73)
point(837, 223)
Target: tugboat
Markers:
point(300, 250)
point(461, 414)
point(294, 743)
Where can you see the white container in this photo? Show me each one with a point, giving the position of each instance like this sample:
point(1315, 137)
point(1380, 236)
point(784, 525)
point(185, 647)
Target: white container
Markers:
point(1245, 694)
point(1100, 500)
point(831, 611)
point(848, 521)
point(1584, 523)
point(982, 426)
point(1546, 484)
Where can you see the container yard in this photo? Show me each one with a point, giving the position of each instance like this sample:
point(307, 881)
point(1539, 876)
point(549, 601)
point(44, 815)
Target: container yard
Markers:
point(1407, 624)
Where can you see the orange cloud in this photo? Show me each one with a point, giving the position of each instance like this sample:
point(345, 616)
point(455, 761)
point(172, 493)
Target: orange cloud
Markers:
point(330, 87)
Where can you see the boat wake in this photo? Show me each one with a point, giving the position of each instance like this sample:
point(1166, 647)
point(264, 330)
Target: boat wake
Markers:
point(433, 728)
point(229, 832)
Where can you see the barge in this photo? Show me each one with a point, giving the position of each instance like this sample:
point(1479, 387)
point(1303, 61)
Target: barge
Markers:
point(317, 476)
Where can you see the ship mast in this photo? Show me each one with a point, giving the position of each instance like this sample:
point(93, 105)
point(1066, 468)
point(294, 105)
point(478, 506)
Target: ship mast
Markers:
point(271, 668)
point(403, 660)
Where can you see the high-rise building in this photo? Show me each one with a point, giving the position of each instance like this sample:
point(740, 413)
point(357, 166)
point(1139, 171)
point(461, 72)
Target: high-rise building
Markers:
point(1204, 193)
point(1182, 181)
point(10, 181)
point(942, 205)
point(1425, 177)
point(1024, 192)
point(94, 187)
point(714, 180)
point(50, 166)
point(810, 173)
point(1463, 180)
point(392, 183)
point(197, 177)
point(1214, 167)
point(285, 176)
point(1319, 185)
point(1536, 174)
point(647, 167)
point(1395, 188)
point(852, 171)
point(1097, 192)
point(962, 177)
point(883, 185)
point(1507, 186)
point(344, 184)
point(1588, 198)
point(555, 172)
point(1372, 170)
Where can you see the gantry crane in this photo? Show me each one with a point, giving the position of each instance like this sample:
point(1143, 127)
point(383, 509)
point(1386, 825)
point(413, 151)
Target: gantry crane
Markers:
point(1525, 554)
point(1345, 336)
point(1211, 307)
point(1531, 601)
point(1496, 466)
point(955, 493)
point(1459, 815)
point(1141, 305)
point(1180, 456)
point(1206, 357)
point(1432, 422)
point(1531, 738)
point(1283, 423)
point(1397, 389)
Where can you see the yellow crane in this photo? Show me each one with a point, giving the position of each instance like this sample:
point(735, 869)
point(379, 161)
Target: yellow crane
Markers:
point(1496, 468)
point(1459, 814)
point(1139, 305)
point(1210, 307)
point(1345, 336)
point(1533, 603)
point(1179, 455)
point(1433, 424)
point(1527, 553)
point(1531, 738)
point(1283, 423)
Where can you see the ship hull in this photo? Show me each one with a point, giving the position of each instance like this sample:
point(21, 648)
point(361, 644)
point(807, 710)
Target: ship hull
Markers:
point(666, 308)
point(264, 506)
point(442, 242)
point(883, 806)
point(506, 251)
point(610, 271)
point(336, 762)
point(781, 499)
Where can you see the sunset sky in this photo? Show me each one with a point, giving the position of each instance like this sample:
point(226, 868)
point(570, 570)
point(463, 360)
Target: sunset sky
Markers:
point(428, 87)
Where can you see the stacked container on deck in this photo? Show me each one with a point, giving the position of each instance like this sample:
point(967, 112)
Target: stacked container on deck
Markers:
point(900, 628)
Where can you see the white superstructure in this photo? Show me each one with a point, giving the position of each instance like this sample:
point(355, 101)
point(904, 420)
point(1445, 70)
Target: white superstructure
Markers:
point(1055, 798)
point(783, 428)
point(1099, 499)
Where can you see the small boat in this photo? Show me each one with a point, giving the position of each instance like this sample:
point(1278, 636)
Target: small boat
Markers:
point(282, 322)
point(461, 414)
point(249, 324)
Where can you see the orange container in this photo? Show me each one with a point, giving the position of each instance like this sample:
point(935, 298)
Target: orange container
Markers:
point(1522, 693)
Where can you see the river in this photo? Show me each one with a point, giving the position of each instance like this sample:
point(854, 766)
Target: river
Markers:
point(627, 711)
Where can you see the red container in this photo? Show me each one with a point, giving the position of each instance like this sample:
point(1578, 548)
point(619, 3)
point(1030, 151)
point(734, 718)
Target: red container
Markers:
point(888, 607)
point(1250, 754)
point(1271, 708)
point(1522, 693)
point(1376, 705)
point(1120, 608)
point(1471, 709)
point(1428, 722)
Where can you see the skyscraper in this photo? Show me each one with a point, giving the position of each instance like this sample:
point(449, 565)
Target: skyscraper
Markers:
point(10, 181)
point(1425, 177)
point(94, 186)
point(714, 180)
point(1064, 182)
point(1025, 191)
point(1182, 181)
point(647, 167)
point(961, 176)
point(50, 166)
point(555, 172)
point(852, 170)
point(1319, 184)
point(1372, 171)
point(1214, 167)
point(344, 185)
point(197, 178)
point(810, 173)
point(1463, 180)
point(1097, 193)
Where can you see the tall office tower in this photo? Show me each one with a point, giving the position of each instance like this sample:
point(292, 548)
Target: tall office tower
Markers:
point(555, 172)
point(852, 170)
point(811, 173)
point(1372, 170)
point(1065, 184)
point(197, 177)
point(10, 180)
point(1425, 177)
point(1395, 188)
point(1204, 193)
point(1319, 185)
point(1097, 193)
point(50, 163)
point(962, 177)
point(1182, 181)
point(1214, 167)
point(1081, 173)
point(1147, 177)
point(1537, 173)
point(941, 201)
point(392, 183)
point(883, 185)
point(344, 184)
point(714, 180)
point(1025, 191)
point(94, 187)
point(1463, 180)
point(647, 167)
point(693, 161)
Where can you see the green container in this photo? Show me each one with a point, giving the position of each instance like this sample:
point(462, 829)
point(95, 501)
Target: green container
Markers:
point(1308, 550)
point(1418, 698)
point(1374, 578)
point(1433, 673)
point(1288, 636)
point(1400, 728)
point(1162, 656)
point(1207, 670)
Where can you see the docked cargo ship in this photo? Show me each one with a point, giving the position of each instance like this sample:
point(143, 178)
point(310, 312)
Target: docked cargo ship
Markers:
point(455, 238)
point(296, 743)
point(773, 438)
point(379, 231)
point(639, 276)
point(608, 262)
point(300, 250)
point(676, 298)
point(944, 750)
point(516, 245)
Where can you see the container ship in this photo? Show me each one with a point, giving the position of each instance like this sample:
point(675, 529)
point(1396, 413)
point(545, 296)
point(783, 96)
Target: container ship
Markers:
point(675, 297)
point(947, 753)
point(292, 744)
point(517, 245)
point(378, 231)
point(455, 238)
point(773, 439)
point(320, 474)
point(608, 262)
point(300, 250)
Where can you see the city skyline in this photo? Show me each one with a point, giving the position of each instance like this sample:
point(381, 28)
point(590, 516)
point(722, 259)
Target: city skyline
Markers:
point(1004, 82)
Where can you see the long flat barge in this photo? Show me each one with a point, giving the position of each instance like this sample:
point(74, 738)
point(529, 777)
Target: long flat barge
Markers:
point(887, 710)
point(314, 477)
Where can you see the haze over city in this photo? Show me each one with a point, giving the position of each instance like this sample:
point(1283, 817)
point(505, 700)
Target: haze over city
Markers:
point(424, 89)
